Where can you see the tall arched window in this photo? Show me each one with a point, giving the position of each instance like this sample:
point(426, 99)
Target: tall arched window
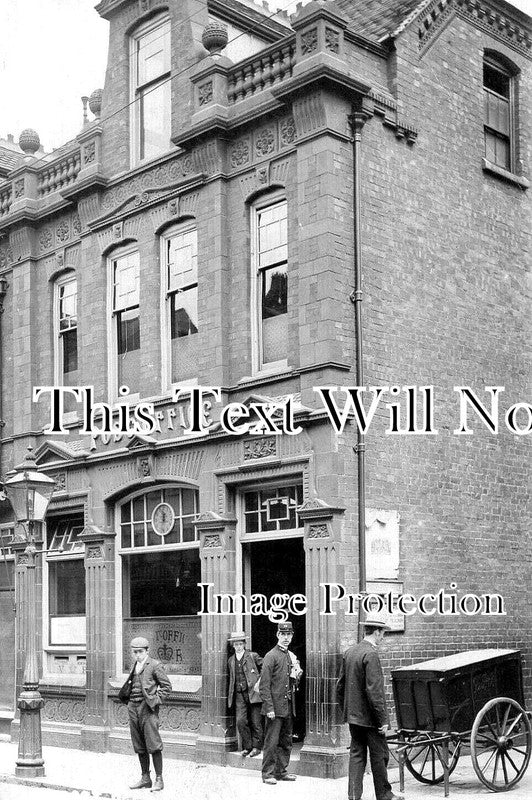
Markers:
point(160, 572)
point(269, 261)
point(179, 279)
point(150, 89)
point(499, 112)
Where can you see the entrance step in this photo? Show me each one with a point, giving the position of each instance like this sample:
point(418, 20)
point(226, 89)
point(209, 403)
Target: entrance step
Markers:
point(255, 764)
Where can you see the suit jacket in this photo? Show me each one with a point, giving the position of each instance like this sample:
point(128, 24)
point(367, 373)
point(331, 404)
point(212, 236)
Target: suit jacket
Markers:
point(251, 663)
point(275, 683)
point(360, 687)
point(154, 683)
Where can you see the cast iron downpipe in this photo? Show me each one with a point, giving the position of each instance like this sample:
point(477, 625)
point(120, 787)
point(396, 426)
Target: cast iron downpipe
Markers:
point(357, 121)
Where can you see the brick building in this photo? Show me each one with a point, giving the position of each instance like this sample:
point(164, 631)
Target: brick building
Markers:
point(205, 230)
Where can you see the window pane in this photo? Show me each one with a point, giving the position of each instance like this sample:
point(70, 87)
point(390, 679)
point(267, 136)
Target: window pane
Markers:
point(69, 343)
point(164, 584)
point(496, 80)
point(126, 535)
point(274, 314)
point(188, 497)
point(68, 305)
point(153, 53)
point(184, 321)
point(182, 258)
point(126, 282)
point(67, 587)
point(128, 331)
point(272, 234)
point(155, 120)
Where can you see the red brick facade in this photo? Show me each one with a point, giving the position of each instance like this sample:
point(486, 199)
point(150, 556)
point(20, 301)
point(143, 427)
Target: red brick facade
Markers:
point(444, 237)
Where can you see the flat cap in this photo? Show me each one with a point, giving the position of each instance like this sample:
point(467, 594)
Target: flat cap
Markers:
point(140, 641)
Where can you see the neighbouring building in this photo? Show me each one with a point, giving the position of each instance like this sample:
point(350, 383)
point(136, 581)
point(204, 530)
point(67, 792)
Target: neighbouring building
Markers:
point(203, 230)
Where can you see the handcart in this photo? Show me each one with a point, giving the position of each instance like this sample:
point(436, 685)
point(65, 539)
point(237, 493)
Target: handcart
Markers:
point(472, 700)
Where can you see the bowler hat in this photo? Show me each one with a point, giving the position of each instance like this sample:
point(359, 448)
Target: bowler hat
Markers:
point(285, 627)
point(237, 636)
point(375, 620)
point(140, 641)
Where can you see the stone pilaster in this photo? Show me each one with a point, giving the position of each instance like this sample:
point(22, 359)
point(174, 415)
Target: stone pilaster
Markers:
point(217, 551)
point(100, 611)
point(323, 754)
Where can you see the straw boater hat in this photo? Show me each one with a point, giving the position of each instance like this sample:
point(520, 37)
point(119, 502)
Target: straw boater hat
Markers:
point(237, 636)
point(376, 620)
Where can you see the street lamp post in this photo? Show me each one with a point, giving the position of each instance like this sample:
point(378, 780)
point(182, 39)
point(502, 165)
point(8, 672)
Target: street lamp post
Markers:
point(29, 492)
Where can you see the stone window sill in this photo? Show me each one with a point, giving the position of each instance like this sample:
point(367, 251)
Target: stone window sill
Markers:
point(518, 180)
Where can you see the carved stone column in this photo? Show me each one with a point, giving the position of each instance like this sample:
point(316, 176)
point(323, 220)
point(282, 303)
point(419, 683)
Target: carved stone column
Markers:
point(30, 763)
point(323, 754)
point(100, 612)
point(217, 551)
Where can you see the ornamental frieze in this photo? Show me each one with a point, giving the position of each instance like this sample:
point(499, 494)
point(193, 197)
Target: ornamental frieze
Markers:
point(59, 233)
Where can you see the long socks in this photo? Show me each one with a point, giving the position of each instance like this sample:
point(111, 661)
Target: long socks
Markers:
point(157, 759)
point(144, 759)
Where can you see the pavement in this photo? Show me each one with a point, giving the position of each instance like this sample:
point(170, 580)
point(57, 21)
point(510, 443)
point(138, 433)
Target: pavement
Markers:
point(85, 775)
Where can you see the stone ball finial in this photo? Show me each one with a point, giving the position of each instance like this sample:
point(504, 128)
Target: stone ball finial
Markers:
point(95, 102)
point(214, 37)
point(29, 141)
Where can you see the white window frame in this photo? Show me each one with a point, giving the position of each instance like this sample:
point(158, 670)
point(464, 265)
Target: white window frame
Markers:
point(258, 367)
point(166, 322)
point(64, 678)
point(179, 682)
point(135, 88)
point(112, 333)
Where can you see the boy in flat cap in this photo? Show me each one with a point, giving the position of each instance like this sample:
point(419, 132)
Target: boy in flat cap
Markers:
point(360, 693)
point(244, 666)
point(279, 680)
point(146, 687)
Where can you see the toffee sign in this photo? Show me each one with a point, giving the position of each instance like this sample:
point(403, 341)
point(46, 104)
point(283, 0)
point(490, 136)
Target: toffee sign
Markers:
point(173, 640)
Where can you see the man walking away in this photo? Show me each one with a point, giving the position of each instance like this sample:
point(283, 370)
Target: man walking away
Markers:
point(360, 693)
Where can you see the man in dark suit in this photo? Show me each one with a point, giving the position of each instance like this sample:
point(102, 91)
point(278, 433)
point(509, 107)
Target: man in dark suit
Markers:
point(146, 687)
point(360, 693)
point(244, 668)
point(278, 683)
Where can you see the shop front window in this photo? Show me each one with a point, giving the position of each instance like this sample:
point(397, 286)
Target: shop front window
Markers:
point(161, 571)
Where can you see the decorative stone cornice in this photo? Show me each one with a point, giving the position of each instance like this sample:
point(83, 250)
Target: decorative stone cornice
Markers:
point(509, 29)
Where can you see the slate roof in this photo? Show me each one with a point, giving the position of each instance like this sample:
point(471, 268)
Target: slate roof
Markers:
point(377, 18)
point(9, 159)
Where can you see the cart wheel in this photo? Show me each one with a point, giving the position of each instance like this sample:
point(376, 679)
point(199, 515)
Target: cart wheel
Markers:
point(501, 741)
point(424, 758)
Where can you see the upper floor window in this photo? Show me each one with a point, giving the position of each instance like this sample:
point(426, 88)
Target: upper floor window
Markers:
point(150, 89)
point(499, 129)
point(180, 282)
point(270, 279)
point(66, 329)
point(125, 327)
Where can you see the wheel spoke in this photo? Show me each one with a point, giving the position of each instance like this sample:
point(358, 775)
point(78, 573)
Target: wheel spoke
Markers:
point(498, 720)
point(433, 763)
point(486, 765)
point(510, 759)
point(505, 773)
point(517, 750)
point(506, 715)
point(514, 723)
point(495, 768)
point(424, 760)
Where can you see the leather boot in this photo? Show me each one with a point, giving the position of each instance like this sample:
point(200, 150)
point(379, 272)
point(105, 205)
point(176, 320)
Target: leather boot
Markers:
point(158, 785)
point(144, 783)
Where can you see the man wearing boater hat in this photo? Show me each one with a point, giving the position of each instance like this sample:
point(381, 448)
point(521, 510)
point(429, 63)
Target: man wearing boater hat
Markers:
point(244, 668)
point(279, 679)
point(360, 693)
point(146, 687)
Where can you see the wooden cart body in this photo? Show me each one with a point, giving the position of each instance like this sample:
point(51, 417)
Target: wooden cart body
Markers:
point(474, 698)
point(446, 694)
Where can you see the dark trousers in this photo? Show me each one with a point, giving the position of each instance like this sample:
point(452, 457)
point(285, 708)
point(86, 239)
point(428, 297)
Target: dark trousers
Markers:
point(144, 728)
point(248, 721)
point(362, 740)
point(277, 746)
